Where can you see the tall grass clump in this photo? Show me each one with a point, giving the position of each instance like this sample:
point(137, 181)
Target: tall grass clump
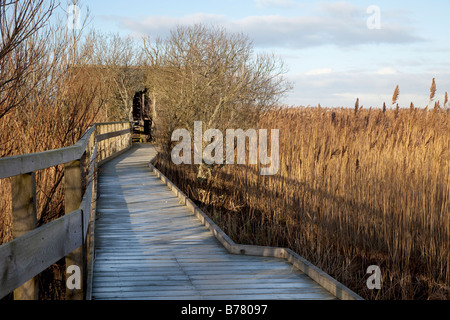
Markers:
point(353, 190)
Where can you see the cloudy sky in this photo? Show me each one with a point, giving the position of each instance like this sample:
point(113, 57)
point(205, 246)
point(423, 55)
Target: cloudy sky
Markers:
point(335, 51)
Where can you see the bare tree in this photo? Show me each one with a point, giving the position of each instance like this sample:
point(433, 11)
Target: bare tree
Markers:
point(19, 23)
point(118, 59)
point(208, 74)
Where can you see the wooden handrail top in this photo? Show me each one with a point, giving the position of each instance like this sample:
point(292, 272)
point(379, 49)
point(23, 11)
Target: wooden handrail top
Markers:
point(22, 164)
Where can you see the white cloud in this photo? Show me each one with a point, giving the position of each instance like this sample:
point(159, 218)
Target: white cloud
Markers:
point(319, 72)
point(339, 24)
point(342, 88)
point(311, 31)
point(161, 25)
point(387, 71)
point(275, 3)
point(340, 8)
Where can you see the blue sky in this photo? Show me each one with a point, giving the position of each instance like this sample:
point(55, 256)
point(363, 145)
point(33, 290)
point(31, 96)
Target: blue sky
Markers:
point(332, 56)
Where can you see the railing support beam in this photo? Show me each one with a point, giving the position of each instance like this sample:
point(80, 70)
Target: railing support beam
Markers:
point(73, 178)
point(23, 189)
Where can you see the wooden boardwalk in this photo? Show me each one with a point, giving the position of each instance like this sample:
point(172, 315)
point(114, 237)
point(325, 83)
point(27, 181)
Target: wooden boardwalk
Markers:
point(149, 246)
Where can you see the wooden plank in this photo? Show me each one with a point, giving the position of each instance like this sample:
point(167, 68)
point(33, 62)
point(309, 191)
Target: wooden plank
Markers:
point(23, 194)
point(73, 196)
point(27, 256)
point(293, 276)
point(156, 290)
point(90, 237)
point(109, 135)
point(174, 271)
point(171, 295)
point(254, 284)
point(186, 259)
point(187, 267)
point(106, 278)
point(188, 296)
point(207, 285)
point(269, 296)
point(145, 295)
point(103, 282)
point(22, 164)
point(86, 202)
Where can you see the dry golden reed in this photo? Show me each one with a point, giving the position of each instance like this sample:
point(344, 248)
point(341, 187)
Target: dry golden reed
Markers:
point(432, 90)
point(395, 95)
point(352, 191)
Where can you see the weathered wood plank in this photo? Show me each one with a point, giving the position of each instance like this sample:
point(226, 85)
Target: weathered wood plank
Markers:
point(90, 237)
point(86, 206)
point(106, 278)
point(207, 285)
point(156, 290)
point(73, 196)
point(228, 267)
point(27, 256)
point(187, 297)
point(22, 164)
point(271, 296)
point(23, 194)
point(109, 135)
point(186, 259)
point(172, 295)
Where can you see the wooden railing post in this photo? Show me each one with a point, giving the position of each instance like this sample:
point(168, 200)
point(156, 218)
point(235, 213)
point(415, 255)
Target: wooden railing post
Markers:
point(23, 189)
point(102, 143)
point(73, 195)
point(130, 136)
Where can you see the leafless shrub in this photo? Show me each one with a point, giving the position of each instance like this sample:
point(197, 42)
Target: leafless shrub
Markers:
point(208, 74)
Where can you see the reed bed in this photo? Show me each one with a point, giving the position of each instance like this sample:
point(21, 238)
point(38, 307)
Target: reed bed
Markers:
point(355, 188)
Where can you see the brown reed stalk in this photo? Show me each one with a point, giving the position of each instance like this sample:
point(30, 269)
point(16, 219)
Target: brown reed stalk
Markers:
point(395, 95)
point(432, 90)
point(346, 196)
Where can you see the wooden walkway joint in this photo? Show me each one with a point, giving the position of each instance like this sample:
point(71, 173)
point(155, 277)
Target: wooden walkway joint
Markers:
point(151, 242)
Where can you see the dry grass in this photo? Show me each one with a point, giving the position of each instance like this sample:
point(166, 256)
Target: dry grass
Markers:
point(51, 127)
point(354, 189)
point(51, 108)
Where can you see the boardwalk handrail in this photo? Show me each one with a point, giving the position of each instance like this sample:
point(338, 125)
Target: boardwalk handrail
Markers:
point(22, 164)
point(35, 249)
